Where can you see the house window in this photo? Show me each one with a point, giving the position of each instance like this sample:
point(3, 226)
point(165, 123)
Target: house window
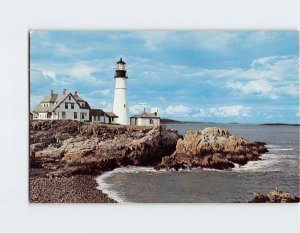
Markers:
point(82, 115)
point(98, 118)
point(63, 115)
point(124, 105)
point(82, 105)
point(151, 122)
point(75, 115)
point(69, 97)
point(72, 106)
point(66, 105)
point(94, 118)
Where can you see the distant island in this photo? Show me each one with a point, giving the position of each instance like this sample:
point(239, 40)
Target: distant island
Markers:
point(278, 124)
point(170, 121)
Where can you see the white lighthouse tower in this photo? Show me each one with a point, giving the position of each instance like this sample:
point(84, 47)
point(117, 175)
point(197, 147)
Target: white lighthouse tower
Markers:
point(120, 99)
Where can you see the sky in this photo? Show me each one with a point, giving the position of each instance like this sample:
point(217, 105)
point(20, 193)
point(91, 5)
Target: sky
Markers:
point(205, 76)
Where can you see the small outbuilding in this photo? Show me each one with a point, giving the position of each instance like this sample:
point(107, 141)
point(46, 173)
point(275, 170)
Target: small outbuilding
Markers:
point(146, 119)
point(110, 118)
point(97, 116)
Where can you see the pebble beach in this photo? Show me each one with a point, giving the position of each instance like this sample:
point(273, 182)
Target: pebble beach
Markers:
point(75, 189)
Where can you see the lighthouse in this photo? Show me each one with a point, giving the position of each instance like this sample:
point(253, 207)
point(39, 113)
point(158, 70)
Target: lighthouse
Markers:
point(120, 99)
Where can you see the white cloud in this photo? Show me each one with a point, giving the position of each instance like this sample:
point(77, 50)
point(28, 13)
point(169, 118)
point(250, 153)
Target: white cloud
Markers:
point(50, 74)
point(214, 40)
point(230, 111)
point(291, 89)
point(259, 87)
point(138, 108)
point(224, 111)
point(80, 70)
point(269, 68)
point(104, 92)
point(268, 77)
point(200, 113)
point(177, 110)
point(103, 104)
point(153, 40)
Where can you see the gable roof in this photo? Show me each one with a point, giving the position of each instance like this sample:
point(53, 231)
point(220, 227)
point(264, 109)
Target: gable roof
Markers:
point(58, 99)
point(146, 115)
point(49, 98)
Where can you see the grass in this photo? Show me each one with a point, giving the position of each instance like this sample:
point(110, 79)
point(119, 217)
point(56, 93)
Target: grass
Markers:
point(138, 127)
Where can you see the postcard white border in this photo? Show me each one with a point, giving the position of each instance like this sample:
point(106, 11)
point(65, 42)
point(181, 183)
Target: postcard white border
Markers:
point(18, 17)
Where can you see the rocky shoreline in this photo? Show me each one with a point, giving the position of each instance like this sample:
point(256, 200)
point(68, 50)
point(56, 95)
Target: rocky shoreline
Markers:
point(66, 156)
point(212, 148)
point(275, 196)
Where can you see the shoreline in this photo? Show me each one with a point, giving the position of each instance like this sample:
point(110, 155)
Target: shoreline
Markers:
point(74, 189)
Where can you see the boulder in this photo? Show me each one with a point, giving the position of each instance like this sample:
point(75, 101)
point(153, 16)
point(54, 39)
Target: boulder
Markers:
point(212, 148)
point(275, 196)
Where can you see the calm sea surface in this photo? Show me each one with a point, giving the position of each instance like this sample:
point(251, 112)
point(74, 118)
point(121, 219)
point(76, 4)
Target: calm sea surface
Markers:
point(279, 168)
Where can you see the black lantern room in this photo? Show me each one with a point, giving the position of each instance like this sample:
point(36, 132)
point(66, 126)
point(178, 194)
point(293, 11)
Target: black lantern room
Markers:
point(121, 69)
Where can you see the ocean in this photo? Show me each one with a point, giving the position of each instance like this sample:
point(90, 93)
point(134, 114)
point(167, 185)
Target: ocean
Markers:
point(279, 168)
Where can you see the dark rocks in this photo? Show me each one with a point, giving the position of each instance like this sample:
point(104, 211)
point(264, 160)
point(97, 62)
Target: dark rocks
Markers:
point(274, 196)
point(85, 148)
point(212, 148)
point(259, 198)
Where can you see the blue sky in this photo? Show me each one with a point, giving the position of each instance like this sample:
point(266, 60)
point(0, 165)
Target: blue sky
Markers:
point(211, 76)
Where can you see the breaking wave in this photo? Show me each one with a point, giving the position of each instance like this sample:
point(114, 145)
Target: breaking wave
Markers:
point(109, 189)
point(270, 162)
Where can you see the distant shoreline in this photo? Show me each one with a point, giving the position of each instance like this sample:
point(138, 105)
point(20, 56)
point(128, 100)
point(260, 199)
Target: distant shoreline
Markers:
point(279, 124)
point(171, 121)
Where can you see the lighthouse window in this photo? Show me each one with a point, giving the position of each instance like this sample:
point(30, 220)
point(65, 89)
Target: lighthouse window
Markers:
point(124, 105)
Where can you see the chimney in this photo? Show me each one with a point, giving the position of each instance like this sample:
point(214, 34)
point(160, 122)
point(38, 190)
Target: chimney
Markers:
point(75, 94)
point(65, 92)
point(51, 93)
point(145, 110)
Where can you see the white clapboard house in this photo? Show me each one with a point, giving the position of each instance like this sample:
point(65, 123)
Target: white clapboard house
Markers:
point(64, 106)
point(70, 107)
point(146, 119)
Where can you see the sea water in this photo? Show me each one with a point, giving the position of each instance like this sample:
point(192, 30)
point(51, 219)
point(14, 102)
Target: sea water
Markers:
point(279, 168)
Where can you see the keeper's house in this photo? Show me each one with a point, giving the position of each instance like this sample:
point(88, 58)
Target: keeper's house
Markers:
point(146, 119)
point(69, 106)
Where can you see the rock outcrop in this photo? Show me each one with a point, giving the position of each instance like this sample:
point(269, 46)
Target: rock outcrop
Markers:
point(274, 196)
point(212, 148)
point(66, 148)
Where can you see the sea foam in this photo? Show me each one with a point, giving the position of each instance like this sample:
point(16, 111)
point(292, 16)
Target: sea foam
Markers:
point(108, 189)
point(268, 163)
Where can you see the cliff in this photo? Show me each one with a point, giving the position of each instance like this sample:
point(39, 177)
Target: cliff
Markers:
point(66, 148)
point(212, 148)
